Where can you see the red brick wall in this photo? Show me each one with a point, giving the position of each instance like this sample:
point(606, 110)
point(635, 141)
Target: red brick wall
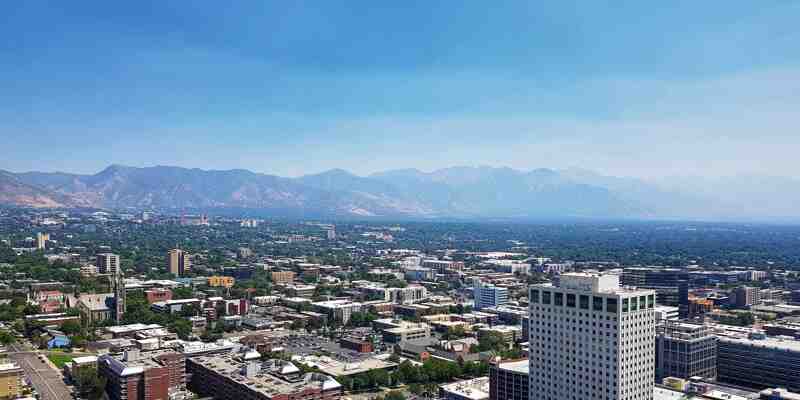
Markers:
point(156, 384)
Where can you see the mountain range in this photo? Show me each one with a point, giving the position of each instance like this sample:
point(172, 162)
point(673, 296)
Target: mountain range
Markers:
point(456, 192)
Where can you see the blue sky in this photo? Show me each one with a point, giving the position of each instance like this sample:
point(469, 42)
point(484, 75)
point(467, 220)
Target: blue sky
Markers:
point(646, 89)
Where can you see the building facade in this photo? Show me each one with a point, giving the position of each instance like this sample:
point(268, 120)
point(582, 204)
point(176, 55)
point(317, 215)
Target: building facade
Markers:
point(10, 375)
point(178, 262)
point(107, 263)
point(685, 350)
point(508, 380)
point(487, 295)
point(759, 362)
point(590, 338)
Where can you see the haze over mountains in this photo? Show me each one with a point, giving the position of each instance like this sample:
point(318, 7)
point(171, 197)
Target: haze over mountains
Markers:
point(457, 192)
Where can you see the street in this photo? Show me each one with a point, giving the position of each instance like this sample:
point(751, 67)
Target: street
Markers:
point(44, 379)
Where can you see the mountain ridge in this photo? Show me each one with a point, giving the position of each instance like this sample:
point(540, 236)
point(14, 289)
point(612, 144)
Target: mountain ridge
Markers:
point(459, 191)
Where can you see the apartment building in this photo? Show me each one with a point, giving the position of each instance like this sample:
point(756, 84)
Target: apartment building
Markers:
point(107, 263)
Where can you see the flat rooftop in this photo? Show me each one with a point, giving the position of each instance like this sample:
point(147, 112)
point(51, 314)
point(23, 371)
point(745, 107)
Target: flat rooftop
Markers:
point(271, 378)
point(474, 389)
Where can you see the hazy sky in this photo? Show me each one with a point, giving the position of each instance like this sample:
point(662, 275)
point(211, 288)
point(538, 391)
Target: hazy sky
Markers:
point(639, 88)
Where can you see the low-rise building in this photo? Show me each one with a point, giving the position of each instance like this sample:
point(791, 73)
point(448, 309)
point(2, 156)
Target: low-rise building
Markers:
point(155, 295)
point(221, 281)
point(337, 310)
point(509, 380)
point(759, 362)
point(470, 389)
point(236, 377)
point(10, 375)
point(282, 277)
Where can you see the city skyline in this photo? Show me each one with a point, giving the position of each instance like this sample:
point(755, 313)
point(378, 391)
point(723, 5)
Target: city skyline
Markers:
point(685, 89)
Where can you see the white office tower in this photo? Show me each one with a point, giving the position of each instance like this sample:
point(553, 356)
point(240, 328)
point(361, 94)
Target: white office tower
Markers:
point(487, 295)
point(591, 339)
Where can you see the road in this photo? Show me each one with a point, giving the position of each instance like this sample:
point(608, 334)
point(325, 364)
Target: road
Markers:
point(47, 381)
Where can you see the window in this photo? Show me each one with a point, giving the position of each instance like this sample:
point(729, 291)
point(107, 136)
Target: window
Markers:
point(571, 300)
point(534, 296)
point(597, 303)
point(611, 305)
point(545, 297)
point(624, 305)
point(651, 300)
point(559, 299)
point(584, 302)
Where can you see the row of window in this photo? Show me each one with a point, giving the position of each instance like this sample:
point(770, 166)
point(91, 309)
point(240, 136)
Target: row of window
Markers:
point(582, 301)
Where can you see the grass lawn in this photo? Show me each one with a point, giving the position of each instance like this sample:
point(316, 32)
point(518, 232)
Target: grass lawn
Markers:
point(60, 359)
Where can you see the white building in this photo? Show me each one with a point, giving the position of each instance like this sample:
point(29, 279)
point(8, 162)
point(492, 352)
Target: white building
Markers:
point(470, 389)
point(487, 295)
point(338, 310)
point(591, 339)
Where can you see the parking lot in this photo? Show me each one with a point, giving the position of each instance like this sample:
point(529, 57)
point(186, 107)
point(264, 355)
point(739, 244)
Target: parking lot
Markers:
point(302, 344)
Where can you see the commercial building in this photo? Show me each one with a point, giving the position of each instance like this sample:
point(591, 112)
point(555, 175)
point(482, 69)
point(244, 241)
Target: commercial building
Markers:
point(157, 294)
point(759, 362)
point(133, 376)
point(667, 313)
point(107, 263)
point(244, 377)
point(407, 295)
point(509, 333)
point(470, 389)
point(508, 380)
point(590, 338)
point(356, 344)
point(444, 266)
point(487, 295)
point(745, 296)
point(419, 274)
point(178, 262)
point(337, 310)
point(407, 332)
point(221, 281)
point(665, 281)
point(685, 350)
point(282, 277)
point(10, 375)
point(301, 290)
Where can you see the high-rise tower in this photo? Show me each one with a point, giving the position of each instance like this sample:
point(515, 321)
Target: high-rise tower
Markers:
point(590, 338)
point(178, 262)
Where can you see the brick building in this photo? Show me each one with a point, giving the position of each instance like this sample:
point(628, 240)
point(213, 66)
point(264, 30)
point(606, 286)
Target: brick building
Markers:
point(154, 376)
point(243, 377)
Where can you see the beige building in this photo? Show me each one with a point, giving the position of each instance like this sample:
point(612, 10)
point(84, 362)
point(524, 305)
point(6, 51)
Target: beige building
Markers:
point(282, 277)
point(179, 262)
point(10, 375)
point(224, 281)
point(41, 240)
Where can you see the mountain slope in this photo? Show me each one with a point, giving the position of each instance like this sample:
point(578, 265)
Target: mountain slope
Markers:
point(16, 192)
point(471, 192)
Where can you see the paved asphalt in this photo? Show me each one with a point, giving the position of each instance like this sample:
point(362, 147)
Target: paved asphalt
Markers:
point(47, 381)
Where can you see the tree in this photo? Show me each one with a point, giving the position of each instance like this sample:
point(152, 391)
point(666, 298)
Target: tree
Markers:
point(71, 327)
point(181, 327)
point(395, 395)
point(492, 341)
point(89, 383)
point(182, 292)
point(6, 338)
